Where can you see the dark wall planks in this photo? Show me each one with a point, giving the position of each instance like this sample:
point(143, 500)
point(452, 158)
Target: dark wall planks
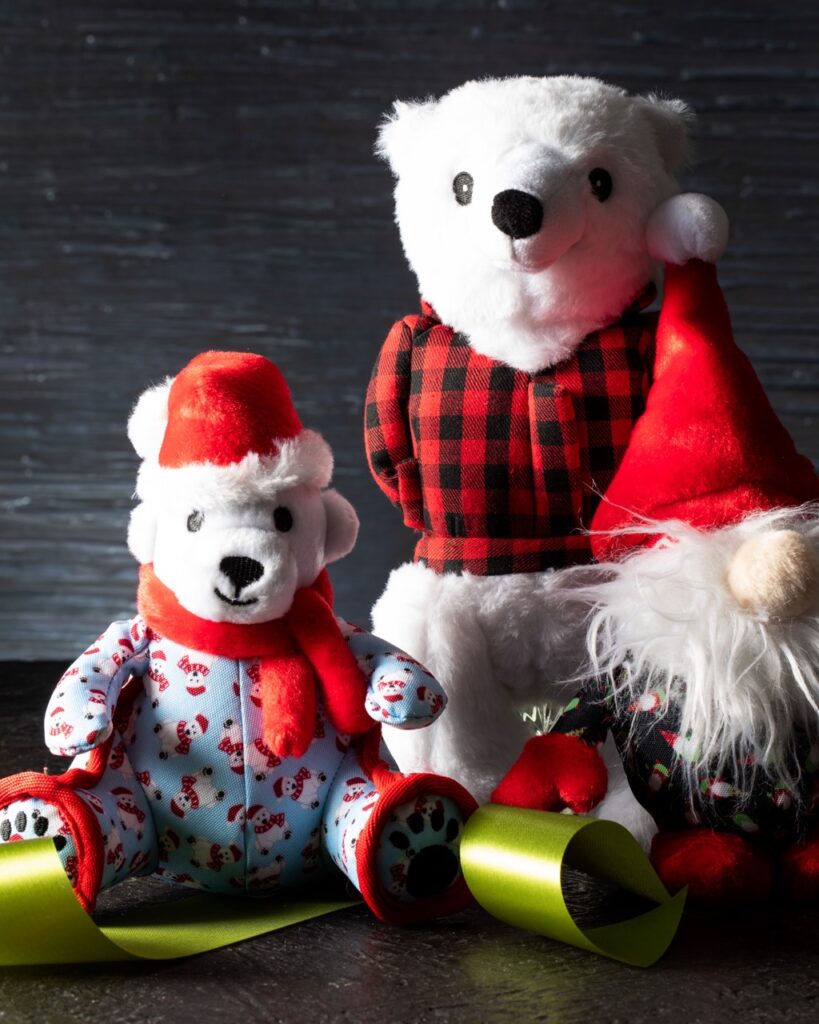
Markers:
point(198, 173)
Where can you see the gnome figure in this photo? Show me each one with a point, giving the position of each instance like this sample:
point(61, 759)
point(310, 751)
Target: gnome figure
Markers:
point(704, 635)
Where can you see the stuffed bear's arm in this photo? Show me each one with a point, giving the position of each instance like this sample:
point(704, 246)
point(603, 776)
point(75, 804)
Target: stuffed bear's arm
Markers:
point(80, 713)
point(386, 426)
point(400, 691)
point(563, 768)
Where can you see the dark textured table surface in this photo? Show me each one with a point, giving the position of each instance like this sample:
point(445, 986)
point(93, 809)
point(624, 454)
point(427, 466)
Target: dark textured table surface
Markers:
point(199, 173)
point(758, 965)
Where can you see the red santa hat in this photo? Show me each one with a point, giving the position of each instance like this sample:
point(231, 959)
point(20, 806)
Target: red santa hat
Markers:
point(225, 422)
point(237, 812)
point(708, 450)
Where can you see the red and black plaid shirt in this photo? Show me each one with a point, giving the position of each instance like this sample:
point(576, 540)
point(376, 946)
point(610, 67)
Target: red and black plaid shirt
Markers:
point(501, 469)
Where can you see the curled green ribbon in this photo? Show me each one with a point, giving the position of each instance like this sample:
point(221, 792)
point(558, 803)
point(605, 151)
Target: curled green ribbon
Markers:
point(44, 924)
point(515, 862)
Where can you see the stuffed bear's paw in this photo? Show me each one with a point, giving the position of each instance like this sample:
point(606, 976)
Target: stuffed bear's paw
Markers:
point(404, 703)
point(686, 227)
point(30, 819)
point(27, 820)
point(418, 855)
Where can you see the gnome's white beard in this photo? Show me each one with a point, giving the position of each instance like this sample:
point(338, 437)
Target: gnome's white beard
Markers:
point(747, 686)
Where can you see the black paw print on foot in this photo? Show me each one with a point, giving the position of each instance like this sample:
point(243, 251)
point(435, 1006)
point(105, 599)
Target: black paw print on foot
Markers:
point(37, 820)
point(435, 866)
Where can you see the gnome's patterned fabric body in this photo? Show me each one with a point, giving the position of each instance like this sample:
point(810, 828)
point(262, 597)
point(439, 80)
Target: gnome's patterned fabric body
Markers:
point(731, 798)
point(185, 786)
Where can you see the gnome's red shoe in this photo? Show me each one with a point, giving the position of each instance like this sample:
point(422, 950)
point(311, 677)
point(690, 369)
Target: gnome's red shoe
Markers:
point(554, 771)
point(719, 868)
point(799, 869)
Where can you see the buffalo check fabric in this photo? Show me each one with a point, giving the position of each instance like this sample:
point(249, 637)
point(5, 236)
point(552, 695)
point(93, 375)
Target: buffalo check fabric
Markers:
point(499, 469)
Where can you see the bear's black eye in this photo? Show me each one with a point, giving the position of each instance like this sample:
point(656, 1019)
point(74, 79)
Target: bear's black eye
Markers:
point(283, 519)
point(462, 187)
point(601, 184)
point(195, 520)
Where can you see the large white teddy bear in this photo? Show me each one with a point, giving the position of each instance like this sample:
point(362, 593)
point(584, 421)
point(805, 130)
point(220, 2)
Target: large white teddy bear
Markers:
point(534, 213)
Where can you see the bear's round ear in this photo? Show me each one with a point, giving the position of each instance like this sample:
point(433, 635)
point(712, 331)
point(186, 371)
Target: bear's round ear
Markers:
point(670, 120)
point(142, 533)
point(146, 424)
point(342, 526)
point(402, 132)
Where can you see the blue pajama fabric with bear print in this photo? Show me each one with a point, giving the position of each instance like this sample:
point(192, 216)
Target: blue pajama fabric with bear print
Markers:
point(191, 791)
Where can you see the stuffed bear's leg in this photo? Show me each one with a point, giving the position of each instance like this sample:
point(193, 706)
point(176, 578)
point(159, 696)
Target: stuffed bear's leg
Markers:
point(98, 816)
point(719, 868)
point(397, 839)
point(437, 620)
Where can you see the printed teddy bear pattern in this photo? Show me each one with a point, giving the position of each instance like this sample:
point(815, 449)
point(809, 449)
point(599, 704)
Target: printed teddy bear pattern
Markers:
point(191, 791)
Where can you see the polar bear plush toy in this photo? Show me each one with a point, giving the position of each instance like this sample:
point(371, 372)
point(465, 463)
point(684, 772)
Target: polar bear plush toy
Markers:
point(533, 211)
point(228, 736)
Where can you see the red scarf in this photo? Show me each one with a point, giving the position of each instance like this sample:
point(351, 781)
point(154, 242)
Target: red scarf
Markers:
point(298, 652)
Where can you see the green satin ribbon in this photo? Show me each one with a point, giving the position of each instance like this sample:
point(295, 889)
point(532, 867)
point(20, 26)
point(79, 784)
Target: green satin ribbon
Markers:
point(514, 862)
point(41, 921)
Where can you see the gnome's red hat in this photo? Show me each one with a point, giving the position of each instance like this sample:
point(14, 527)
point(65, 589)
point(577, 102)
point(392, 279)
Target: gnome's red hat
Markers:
point(226, 419)
point(709, 449)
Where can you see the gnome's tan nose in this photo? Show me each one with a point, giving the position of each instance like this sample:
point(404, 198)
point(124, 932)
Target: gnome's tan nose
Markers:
point(776, 573)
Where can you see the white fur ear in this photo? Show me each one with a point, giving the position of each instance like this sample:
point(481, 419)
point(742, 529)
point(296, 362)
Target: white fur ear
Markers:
point(670, 120)
point(146, 425)
point(401, 133)
point(342, 526)
point(142, 533)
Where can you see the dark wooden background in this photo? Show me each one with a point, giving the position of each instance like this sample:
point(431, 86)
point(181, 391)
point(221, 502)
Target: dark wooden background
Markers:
point(188, 174)
point(199, 173)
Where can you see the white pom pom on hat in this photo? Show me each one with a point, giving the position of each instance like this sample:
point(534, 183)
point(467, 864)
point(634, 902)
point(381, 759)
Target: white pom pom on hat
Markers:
point(147, 422)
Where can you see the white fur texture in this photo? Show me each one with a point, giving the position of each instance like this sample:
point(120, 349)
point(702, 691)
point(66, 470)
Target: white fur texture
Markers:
point(142, 532)
point(685, 227)
point(495, 644)
point(776, 573)
point(530, 301)
point(342, 526)
point(520, 640)
point(147, 422)
point(190, 562)
point(306, 459)
point(750, 681)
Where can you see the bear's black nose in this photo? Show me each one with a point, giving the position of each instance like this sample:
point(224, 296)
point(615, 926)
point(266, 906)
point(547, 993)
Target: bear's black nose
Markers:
point(517, 214)
point(241, 571)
